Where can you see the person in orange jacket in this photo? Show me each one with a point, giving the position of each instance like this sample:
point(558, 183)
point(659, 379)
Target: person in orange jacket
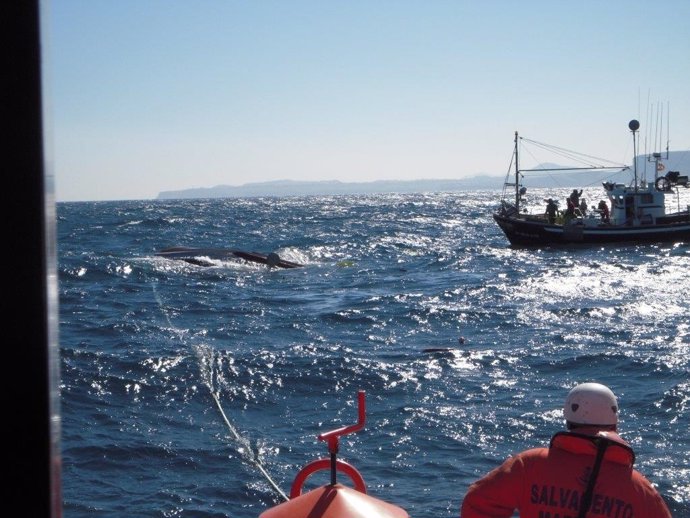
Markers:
point(586, 471)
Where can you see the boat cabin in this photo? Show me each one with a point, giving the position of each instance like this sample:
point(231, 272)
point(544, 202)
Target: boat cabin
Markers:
point(635, 205)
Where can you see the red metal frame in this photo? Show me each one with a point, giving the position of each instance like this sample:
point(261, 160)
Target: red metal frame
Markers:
point(332, 438)
point(323, 464)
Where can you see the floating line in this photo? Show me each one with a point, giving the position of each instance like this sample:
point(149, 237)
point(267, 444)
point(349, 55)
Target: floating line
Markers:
point(252, 457)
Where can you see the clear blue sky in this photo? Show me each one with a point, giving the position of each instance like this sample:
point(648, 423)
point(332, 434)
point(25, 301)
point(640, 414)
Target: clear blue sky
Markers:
point(153, 95)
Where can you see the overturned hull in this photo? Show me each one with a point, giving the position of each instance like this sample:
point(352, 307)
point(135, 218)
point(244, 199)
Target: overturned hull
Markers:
point(525, 232)
point(200, 256)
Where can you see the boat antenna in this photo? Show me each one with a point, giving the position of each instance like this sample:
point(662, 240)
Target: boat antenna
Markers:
point(517, 175)
point(634, 125)
point(668, 126)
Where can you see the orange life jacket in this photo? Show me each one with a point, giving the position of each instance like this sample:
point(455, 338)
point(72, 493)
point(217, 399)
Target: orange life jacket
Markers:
point(552, 482)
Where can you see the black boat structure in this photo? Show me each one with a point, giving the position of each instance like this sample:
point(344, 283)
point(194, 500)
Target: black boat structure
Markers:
point(205, 256)
point(635, 212)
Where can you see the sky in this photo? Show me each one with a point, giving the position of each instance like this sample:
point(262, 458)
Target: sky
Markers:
point(155, 95)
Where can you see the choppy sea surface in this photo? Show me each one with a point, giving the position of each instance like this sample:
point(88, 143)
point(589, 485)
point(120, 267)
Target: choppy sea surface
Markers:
point(185, 388)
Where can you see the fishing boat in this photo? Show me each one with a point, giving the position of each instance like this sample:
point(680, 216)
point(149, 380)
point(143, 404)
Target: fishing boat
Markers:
point(635, 212)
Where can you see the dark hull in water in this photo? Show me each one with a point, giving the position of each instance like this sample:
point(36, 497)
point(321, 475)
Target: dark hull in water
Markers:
point(198, 256)
point(523, 232)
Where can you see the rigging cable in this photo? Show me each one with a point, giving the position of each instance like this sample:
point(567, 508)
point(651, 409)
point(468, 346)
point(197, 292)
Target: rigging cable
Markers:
point(574, 155)
point(548, 172)
point(506, 183)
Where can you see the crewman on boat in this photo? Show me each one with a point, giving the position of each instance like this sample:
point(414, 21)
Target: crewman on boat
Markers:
point(575, 197)
point(570, 210)
point(588, 468)
point(551, 210)
point(604, 212)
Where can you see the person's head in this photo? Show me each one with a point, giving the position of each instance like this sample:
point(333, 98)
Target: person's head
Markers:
point(591, 405)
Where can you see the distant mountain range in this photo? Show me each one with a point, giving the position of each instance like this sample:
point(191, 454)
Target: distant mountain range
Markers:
point(567, 178)
point(333, 187)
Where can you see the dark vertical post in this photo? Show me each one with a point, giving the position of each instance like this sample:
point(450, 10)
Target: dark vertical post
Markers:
point(29, 308)
point(334, 469)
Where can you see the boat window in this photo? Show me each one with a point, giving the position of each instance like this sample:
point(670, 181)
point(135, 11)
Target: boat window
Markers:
point(647, 198)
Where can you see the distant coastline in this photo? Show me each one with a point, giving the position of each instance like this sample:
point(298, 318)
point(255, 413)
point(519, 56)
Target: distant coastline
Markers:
point(333, 187)
point(677, 160)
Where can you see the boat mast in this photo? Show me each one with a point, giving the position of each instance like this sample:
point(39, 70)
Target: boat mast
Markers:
point(634, 125)
point(517, 175)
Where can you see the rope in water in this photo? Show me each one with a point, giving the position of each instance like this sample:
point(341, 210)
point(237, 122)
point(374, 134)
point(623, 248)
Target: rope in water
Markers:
point(252, 458)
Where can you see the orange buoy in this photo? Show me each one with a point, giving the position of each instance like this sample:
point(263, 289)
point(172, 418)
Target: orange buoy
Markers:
point(335, 501)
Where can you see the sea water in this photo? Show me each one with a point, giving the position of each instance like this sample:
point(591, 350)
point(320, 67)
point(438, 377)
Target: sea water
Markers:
point(184, 388)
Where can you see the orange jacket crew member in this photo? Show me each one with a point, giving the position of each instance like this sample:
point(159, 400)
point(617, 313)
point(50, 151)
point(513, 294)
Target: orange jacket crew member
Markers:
point(585, 472)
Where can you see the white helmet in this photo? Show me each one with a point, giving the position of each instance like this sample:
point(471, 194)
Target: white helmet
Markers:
point(591, 404)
